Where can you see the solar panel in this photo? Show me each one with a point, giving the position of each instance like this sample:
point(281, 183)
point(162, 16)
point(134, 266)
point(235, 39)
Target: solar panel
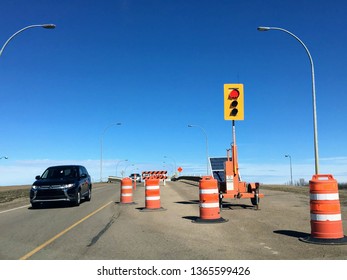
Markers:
point(217, 168)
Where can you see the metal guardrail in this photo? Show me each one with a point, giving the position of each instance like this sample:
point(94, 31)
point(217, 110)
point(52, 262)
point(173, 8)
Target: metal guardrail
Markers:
point(189, 178)
point(111, 179)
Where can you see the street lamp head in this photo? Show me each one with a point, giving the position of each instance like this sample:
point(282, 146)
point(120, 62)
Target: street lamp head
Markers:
point(263, 28)
point(189, 125)
point(48, 26)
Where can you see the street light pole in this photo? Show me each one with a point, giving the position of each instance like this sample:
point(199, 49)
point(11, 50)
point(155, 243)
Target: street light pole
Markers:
point(173, 161)
point(262, 28)
point(47, 26)
point(203, 130)
point(101, 140)
point(291, 171)
point(172, 167)
point(125, 171)
point(118, 164)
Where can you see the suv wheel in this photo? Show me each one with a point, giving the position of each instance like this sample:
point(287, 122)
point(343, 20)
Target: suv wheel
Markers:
point(78, 198)
point(88, 197)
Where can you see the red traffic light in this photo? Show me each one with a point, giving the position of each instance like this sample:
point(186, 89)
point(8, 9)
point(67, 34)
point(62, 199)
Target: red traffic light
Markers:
point(234, 94)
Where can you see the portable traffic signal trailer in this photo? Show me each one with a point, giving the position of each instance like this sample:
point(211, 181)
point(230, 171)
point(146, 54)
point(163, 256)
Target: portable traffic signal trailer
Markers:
point(234, 187)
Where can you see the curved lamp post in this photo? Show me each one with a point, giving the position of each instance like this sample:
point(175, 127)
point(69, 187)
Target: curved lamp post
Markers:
point(264, 28)
point(47, 26)
point(4, 157)
point(101, 140)
point(165, 164)
point(173, 161)
point(118, 164)
point(125, 171)
point(203, 130)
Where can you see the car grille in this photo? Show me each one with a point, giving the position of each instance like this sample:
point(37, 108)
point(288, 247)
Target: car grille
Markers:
point(51, 187)
point(50, 194)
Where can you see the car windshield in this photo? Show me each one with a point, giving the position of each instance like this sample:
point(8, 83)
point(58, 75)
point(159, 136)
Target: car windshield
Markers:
point(60, 173)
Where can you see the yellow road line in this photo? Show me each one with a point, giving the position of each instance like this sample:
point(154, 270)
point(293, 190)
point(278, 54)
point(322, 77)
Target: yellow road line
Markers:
point(61, 233)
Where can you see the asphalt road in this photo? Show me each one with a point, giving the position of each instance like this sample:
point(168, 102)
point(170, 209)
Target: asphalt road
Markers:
point(103, 229)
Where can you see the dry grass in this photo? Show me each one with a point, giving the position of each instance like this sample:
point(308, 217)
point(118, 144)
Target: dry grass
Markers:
point(304, 190)
point(8, 194)
point(285, 188)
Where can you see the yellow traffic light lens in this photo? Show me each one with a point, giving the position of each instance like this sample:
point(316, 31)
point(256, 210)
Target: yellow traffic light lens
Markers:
point(233, 104)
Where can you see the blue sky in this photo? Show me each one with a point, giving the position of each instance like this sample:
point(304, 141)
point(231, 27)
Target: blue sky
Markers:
point(157, 66)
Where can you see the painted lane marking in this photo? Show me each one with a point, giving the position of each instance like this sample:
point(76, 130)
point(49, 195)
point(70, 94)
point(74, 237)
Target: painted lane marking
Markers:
point(9, 210)
point(39, 248)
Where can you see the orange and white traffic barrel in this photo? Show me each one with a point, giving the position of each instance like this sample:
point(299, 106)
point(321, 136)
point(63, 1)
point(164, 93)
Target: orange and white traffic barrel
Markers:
point(152, 195)
point(209, 201)
point(126, 191)
point(326, 222)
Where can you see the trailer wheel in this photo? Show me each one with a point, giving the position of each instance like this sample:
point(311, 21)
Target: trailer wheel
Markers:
point(255, 200)
point(220, 201)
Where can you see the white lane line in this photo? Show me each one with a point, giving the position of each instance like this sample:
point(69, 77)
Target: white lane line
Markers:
point(13, 209)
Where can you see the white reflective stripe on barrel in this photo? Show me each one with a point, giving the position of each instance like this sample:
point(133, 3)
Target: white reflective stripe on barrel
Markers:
point(152, 197)
point(209, 205)
point(326, 217)
point(325, 196)
point(152, 187)
point(126, 187)
point(209, 191)
point(127, 194)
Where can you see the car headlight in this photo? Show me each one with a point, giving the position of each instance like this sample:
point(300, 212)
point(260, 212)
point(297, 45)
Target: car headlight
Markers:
point(33, 187)
point(68, 185)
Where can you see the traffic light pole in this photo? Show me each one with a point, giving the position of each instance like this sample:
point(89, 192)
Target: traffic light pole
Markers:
point(234, 110)
point(233, 133)
point(233, 148)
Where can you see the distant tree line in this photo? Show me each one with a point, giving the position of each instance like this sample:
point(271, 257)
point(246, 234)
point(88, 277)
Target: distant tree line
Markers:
point(302, 182)
point(342, 186)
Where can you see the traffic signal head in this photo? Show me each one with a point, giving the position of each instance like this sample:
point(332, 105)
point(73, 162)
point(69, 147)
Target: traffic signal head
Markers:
point(233, 102)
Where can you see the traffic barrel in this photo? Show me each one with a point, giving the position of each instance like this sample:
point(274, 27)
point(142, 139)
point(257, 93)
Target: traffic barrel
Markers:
point(152, 195)
point(209, 201)
point(126, 191)
point(326, 222)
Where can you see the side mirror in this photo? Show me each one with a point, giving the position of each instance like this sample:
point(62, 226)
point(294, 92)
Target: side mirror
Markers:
point(83, 176)
point(38, 177)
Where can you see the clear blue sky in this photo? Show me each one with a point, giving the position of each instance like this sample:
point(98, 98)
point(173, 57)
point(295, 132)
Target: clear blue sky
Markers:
point(157, 66)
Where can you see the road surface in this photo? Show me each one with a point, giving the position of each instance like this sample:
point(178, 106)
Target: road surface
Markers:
point(104, 229)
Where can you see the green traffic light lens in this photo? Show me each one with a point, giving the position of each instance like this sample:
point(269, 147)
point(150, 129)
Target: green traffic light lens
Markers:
point(234, 112)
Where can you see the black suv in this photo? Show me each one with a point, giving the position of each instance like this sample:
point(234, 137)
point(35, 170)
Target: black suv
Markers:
point(137, 175)
point(61, 183)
